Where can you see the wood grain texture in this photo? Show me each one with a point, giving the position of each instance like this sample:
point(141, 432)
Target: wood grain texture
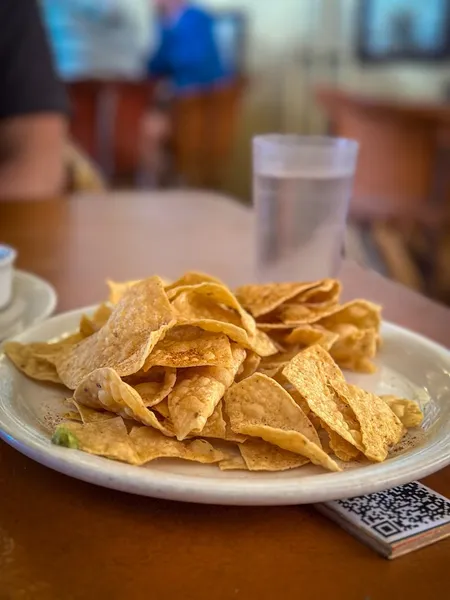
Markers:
point(62, 538)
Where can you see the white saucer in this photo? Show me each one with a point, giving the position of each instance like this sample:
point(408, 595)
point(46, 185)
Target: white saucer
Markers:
point(33, 300)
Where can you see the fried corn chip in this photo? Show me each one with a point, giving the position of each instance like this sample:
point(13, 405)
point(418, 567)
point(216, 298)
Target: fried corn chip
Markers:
point(260, 407)
point(135, 326)
point(153, 392)
point(197, 393)
point(233, 463)
point(261, 456)
point(311, 372)
point(188, 346)
point(407, 411)
point(103, 389)
point(118, 289)
point(162, 408)
point(309, 335)
point(294, 315)
point(262, 299)
point(380, 427)
point(89, 325)
point(151, 444)
point(249, 366)
point(90, 415)
point(325, 293)
point(26, 360)
point(355, 348)
point(193, 278)
point(215, 426)
point(361, 313)
point(107, 438)
point(342, 449)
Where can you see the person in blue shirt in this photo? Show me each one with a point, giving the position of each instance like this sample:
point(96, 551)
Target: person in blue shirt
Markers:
point(188, 54)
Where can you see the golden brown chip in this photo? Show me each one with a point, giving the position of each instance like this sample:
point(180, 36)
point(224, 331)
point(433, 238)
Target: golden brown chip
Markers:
point(259, 407)
point(262, 299)
point(193, 278)
point(215, 426)
point(380, 427)
point(89, 325)
point(189, 346)
point(249, 366)
point(90, 415)
point(261, 456)
point(308, 335)
point(355, 348)
point(103, 389)
point(325, 293)
point(137, 323)
point(198, 391)
point(162, 408)
point(299, 314)
point(233, 463)
point(118, 289)
point(311, 372)
point(407, 411)
point(361, 313)
point(153, 392)
point(107, 438)
point(26, 360)
point(151, 444)
point(342, 449)
point(216, 295)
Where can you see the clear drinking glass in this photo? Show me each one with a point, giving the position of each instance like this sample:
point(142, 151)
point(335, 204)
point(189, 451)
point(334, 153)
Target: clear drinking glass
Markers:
point(301, 192)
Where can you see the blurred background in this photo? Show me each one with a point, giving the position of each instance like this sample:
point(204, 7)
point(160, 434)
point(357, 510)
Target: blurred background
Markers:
point(168, 93)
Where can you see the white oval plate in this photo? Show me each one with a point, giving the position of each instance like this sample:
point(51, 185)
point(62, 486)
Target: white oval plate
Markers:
point(409, 366)
point(33, 300)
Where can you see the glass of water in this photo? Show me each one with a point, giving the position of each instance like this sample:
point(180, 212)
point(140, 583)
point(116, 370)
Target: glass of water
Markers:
point(301, 193)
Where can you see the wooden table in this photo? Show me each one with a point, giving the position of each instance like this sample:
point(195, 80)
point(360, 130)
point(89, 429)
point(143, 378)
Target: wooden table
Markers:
point(62, 539)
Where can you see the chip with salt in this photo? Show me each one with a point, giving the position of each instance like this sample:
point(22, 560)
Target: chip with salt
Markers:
point(90, 415)
point(151, 444)
point(355, 348)
point(325, 293)
point(137, 323)
point(407, 411)
point(153, 392)
point(311, 371)
point(309, 335)
point(361, 313)
point(107, 438)
point(198, 391)
point(117, 289)
point(193, 278)
point(103, 389)
point(259, 407)
point(215, 426)
point(188, 346)
point(262, 456)
point(249, 366)
point(89, 325)
point(380, 427)
point(26, 360)
point(264, 298)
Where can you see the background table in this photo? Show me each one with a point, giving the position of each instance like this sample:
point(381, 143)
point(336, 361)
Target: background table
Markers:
point(62, 539)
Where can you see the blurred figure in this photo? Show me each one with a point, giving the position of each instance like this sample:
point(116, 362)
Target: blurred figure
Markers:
point(187, 53)
point(32, 107)
point(99, 39)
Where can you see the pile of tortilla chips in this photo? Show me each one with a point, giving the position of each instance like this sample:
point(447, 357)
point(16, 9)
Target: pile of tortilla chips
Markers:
point(249, 381)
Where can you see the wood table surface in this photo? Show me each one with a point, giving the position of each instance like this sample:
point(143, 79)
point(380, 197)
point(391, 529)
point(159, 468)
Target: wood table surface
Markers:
point(62, 539)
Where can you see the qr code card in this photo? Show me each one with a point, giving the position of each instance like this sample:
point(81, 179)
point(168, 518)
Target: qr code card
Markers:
point(391, 516)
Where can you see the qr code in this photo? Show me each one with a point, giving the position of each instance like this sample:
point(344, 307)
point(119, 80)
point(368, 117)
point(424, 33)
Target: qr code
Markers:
point(398, 512)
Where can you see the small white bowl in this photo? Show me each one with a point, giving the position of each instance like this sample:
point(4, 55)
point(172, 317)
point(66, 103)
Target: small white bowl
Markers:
point(7, 257)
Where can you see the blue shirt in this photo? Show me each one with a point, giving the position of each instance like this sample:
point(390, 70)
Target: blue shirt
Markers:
point(188, 53)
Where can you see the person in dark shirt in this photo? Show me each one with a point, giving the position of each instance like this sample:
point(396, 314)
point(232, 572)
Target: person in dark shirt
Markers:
point(32, 106)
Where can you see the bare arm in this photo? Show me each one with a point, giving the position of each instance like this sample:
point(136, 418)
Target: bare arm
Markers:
point(31, 156)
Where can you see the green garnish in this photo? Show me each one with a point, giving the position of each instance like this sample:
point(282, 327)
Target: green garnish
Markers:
point(64, 437)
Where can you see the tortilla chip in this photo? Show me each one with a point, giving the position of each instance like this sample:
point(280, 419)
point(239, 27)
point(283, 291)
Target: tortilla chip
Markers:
point(260, 407)
point(380, 427)
point(341, 448)
point(90, 415)
point(217, 295)
point(189, 346)
point(325, 293)
point(261, 456)
point(107, 438)
point(118, 289)
point(151, 444)
point(25, 359)
point(193, 278)
point(233, 463)
point(198, 391)
point(104, 390)
point(355, 349)
point(153, 392)
point(308, 335)
point(215, 426)
point(361, 313)
point(299, 314)
point(262, 344)
point(262, 299)
point(249, 366)
point(137, 323)
point(407, 411)
point(162, 408)
point(311, 372)
point(89, 325)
